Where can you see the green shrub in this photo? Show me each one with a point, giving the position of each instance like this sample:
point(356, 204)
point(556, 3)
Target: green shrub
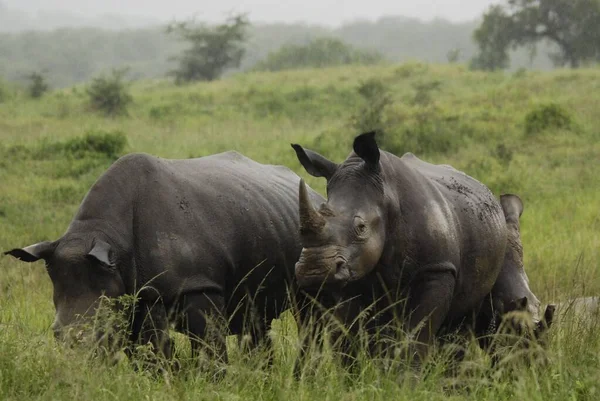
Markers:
point(371, 116)
point(547, 116)
point(109, 144)
point(110, 94)
point(319, 53)
point(503, 153)
point(92, 145)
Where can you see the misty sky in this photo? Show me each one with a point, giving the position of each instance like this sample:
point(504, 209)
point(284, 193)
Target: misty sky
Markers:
point(330, 12)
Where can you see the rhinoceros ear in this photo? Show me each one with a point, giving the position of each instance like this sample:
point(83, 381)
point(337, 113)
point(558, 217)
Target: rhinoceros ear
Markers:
point(517, 305)
point(512, 205)
point(366, 148)
point(549, 314)
point(101, 253)
point(315, 164)
point(33, 253)
point(543, 325)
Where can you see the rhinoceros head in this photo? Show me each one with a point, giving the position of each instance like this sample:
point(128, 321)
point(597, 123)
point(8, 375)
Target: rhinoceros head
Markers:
point(342, 240)
point(82, 270)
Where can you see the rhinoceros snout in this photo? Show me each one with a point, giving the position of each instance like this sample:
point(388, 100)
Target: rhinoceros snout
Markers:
point(315, 271)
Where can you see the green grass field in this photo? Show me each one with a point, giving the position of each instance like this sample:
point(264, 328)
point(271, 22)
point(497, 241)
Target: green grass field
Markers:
point(475, 121)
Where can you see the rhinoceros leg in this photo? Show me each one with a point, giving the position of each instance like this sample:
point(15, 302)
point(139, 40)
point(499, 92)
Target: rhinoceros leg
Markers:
point(205, 324)
point(151, 326)
point(429, 301)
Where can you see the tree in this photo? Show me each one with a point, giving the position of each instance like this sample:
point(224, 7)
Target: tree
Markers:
point(493, 38)
point(573, 25)
point(212, 50)
point(37, 85)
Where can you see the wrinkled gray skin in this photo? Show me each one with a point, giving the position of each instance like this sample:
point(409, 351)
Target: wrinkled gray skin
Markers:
point(398, 228)
point(511, 291)
point(200, 235)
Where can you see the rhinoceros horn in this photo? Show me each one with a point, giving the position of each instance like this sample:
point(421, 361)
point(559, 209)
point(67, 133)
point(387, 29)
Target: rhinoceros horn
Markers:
point(310, 219)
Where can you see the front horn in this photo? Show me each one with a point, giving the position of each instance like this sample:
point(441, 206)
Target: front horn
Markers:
point(310, 219)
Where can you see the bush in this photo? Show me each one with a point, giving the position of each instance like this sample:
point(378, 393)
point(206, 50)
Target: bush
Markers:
point(92, 144)
point(37, 85)
point(439, 134)
point(371, 116)
point(547, 116)
point(319, 53)
point(110, 94)
point(108, 144)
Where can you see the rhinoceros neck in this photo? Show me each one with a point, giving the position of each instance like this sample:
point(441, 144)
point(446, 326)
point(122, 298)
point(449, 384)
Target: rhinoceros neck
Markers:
point(114, 196)
point(109, 206)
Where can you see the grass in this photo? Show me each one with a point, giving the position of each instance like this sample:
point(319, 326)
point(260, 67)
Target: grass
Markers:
point(44, 175)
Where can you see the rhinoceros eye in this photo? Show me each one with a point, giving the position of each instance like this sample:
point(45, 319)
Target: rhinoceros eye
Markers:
point(360, 227)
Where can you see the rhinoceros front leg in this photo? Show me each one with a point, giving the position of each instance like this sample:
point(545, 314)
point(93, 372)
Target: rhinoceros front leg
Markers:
point(150, 325)
point(430, 295)
point(206, 325)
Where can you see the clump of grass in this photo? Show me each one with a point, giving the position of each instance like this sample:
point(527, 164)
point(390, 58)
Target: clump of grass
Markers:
point(371, 116)
point(95, 143)
point(547, 116)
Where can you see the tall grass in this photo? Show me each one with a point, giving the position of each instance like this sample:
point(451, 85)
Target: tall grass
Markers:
point(484, 116)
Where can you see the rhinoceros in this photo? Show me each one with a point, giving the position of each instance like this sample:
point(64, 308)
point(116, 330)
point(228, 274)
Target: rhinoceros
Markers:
point(408, 240)
point(211, 237)
point(511, 292)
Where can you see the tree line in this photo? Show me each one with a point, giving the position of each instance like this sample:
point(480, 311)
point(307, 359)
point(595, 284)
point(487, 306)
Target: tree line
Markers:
point(72, 55)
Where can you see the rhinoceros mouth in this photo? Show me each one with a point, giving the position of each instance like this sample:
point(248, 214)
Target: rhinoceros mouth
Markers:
point(335, 272)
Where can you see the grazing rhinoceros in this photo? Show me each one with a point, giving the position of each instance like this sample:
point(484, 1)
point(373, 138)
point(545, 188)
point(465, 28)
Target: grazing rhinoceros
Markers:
point(511, 292)
point(398, 234)
point(216, 235)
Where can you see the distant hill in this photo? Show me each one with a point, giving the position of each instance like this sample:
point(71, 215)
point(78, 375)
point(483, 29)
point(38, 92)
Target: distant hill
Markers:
point(73, 55)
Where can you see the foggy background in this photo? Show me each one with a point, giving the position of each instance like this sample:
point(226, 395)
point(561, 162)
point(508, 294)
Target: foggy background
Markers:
point(71, 41)
point(324, 12)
